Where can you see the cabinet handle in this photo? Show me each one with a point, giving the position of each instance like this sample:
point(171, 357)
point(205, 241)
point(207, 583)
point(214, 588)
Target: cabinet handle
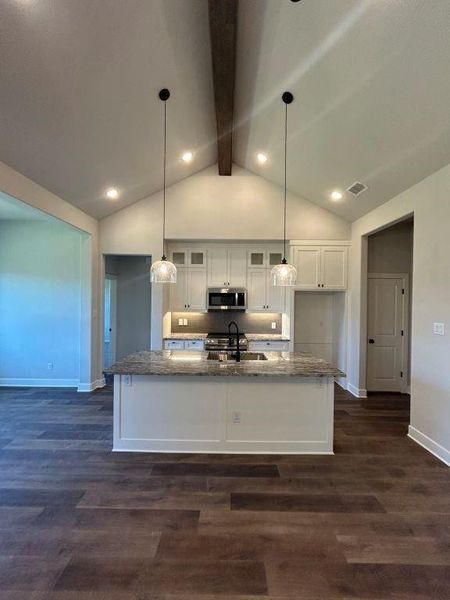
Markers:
point(318, 285)
point(322, 284)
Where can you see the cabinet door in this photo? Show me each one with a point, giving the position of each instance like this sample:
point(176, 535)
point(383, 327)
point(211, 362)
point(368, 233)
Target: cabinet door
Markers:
point(257, 258)
point(179, 257)
point(275, 295)
point(334, 268)
point(307, 262)
point(196, 289)
point(217, 267)
point(256, 289)
point(197, 257)
point(237, 267)
point(179, 299)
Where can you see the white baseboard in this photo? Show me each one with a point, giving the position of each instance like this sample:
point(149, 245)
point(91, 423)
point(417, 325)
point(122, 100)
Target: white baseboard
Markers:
point(429, 444)
point(357, 392)
point(93, 385)
point(29, 382)
point(341, 382)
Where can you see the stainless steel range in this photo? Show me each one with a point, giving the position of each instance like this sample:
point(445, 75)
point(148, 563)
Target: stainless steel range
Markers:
point(224, 342)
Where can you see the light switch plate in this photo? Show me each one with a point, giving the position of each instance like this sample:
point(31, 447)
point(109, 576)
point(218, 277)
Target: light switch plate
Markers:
point(185, 321)
point(274, 325)
point(180, 321)
point(127, 380)
point(438, 329)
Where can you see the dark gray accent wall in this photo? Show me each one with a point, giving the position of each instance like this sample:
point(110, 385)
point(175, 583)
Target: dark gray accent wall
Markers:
point(218, 321)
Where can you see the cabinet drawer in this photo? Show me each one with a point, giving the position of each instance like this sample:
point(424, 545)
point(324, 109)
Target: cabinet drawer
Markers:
point(194, 345)
point(174, 345)
point(275, 346)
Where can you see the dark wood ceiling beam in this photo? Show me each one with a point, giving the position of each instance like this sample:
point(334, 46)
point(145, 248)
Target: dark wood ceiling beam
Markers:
point(223, 29)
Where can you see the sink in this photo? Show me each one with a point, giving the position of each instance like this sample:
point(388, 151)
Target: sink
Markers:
point(224, 356)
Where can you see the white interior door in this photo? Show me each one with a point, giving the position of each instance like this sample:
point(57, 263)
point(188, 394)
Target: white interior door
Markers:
point(386, 326)
point(110, 318)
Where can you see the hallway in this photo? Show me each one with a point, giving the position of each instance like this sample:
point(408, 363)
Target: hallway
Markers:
point(80, 522)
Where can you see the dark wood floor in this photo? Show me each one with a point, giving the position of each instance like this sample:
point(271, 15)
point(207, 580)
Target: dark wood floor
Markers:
point(78, 522)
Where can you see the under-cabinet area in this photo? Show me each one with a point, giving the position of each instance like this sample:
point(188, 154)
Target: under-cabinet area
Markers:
point(320, 325)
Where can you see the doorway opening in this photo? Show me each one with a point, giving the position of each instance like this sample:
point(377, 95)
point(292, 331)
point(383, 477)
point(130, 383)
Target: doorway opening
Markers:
point(389, 287)
point(127, 306)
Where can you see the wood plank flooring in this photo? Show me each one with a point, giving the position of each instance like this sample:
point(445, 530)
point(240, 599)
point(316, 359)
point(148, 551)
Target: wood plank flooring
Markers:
point(78, 522)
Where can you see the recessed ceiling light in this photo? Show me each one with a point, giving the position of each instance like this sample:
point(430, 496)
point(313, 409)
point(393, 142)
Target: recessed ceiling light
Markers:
point(112, 193)
point(261, 158)
point(187, 157)
point(336, 195)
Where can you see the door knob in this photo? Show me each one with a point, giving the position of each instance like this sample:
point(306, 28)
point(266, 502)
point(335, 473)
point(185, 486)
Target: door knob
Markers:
point(371, 341)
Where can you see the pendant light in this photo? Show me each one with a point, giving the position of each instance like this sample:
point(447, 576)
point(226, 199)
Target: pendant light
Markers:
point(164, 271)
point(284, 274)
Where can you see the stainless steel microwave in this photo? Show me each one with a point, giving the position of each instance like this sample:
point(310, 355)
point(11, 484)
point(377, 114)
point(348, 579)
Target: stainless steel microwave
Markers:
point(227, 299)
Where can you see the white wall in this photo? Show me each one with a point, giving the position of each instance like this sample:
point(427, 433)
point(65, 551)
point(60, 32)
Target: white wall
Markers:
point(20, 187)
point(40, 303)
point(429, 201)
point(209, 207)
point(391, 250)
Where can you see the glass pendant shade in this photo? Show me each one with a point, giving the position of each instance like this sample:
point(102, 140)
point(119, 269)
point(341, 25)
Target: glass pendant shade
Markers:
point(283, 274)
point(163, 271)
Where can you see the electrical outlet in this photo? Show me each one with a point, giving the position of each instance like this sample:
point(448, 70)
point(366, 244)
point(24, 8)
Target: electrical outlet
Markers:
point(438, 329)
point(180, 321)
point(127, 380)
point(50, 366)
point(274, 325)
point(236, 417)
point(185, 321)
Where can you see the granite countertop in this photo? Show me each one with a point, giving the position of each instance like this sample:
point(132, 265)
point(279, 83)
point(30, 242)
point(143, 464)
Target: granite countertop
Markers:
point(286, 364)
point(252, 337)
point(186, 336)
point(266, 337)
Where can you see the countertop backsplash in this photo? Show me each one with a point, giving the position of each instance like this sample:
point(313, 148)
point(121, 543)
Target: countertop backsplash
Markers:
point(218, 321)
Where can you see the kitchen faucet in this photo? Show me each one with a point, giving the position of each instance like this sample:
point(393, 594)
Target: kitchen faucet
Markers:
point(237, 355)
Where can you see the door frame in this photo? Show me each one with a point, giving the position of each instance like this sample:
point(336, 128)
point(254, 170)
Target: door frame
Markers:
point(405, 325)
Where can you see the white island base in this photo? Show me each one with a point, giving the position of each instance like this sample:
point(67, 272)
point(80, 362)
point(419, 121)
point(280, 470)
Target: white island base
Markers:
point(261, 415)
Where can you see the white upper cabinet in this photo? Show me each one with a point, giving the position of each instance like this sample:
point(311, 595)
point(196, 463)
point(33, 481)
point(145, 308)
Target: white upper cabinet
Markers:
point(307, 262)
point(262, 295)
point(227, 267)
point(237, 267)
point(196, 289)
point(256, 292)
point(264, 258)
point(189, 292)
point(321, 267)
point(178, 290)
point(188, 257)
point(276, 296)
point(334, 268)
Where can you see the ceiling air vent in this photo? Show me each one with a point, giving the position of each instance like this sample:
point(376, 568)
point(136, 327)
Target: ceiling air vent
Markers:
point(357, 188)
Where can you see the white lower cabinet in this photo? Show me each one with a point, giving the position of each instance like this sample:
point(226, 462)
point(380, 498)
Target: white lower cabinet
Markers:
point(262, 295)
point(198, 345)
point(266, 345)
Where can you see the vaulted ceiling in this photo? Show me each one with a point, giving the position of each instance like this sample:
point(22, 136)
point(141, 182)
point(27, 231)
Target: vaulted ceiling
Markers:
point(79, 110)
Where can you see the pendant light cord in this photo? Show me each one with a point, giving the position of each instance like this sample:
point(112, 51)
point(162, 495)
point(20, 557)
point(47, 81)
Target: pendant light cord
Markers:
point(164, 179)
point(285, 179)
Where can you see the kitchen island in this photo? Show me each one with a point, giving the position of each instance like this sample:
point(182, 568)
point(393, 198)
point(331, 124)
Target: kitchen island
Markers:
point(183, 402)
